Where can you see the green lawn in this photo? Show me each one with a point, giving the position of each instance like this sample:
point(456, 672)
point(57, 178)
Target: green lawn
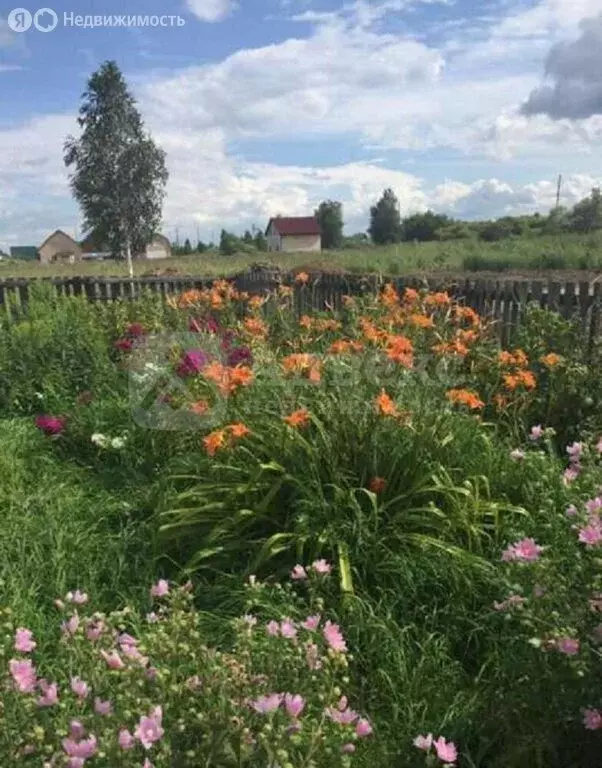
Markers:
point(563, 252)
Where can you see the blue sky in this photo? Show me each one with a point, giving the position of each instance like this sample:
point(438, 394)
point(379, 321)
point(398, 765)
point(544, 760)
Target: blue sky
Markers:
point(269, 106)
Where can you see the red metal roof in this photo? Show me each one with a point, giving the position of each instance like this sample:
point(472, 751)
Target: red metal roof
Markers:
point(295, 225)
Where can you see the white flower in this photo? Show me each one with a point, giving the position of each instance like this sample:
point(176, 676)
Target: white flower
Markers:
point(101, 440)
point(118, 442)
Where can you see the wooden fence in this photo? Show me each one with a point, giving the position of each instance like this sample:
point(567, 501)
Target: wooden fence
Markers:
point(501, 300)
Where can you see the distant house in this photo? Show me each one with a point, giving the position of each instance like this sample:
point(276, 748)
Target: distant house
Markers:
point(24, 252)
point(294, 233)
point(158, 248)
point(59, 247)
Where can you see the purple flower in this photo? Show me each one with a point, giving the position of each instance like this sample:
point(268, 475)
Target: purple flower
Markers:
point(266, 704)
point(239, 356)
point(192, 362)
point(51, 425)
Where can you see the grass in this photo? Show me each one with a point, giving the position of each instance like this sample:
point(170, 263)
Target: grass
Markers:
point(542, 253)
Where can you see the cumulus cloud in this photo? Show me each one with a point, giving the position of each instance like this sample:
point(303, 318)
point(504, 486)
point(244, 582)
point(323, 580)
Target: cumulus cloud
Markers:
point(211, 10)
point(575, 69)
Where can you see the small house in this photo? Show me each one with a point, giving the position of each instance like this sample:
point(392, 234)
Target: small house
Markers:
point(59, 247)
point(158, 248)
point(24, 252)
point(294, 233)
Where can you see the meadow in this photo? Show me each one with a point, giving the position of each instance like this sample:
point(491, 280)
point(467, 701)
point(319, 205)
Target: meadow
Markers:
point(236, 537)
point(566, 252)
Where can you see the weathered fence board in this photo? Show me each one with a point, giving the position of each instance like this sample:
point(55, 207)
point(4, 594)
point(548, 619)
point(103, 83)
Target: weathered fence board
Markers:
point(500, 300)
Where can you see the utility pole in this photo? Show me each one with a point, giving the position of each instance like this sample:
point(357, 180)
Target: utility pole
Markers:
point(178, 236)
point(558, 190)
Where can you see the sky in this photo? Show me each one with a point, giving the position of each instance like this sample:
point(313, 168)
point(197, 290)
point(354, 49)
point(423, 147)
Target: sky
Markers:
point(267, 107)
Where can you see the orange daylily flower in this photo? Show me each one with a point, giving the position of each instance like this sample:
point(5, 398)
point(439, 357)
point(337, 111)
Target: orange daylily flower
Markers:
point(401, 350)
point(389, 296)
point(303, 363)
point(298, 418)
point(451, 348)
point(285, 291)
point(550, 360)
point(255, 302)
point(422, 321)
point(190, 297)
point(467, 313)
point(305, 322)
point(500, 401)
point(227, 379)
point(348, 301)
point(255, 326)
point(525, 379)
point(200, 407)
point(517, 358)
point(410, 295)
point(302, 277)
point(385, 405)
point(238, 430)
point(214, 441)
point(440, 299)
point(465, 397)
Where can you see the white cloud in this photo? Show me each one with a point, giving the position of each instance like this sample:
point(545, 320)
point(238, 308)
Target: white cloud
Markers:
point(211, 10)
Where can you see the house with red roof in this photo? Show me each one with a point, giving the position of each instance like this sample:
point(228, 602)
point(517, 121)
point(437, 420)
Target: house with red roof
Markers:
point(294, 233)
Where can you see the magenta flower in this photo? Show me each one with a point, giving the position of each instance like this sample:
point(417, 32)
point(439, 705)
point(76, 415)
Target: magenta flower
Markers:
point(334, 637)
point(79, 687)
point(272, 628)
point(51, 425)
point(298, 573)
point(192, 362)
point(311, 623)
point(94, 630)
point(342, 717)
point(363, 728)
point(266, 704)
point(524, 551)
point(149, 729)
point(24, 642)
point(321, 567)
point(160, 589)
point(591, 534)
point(124, 345)
point(568, 645)
point(288, 629)
point(23, 674)
point(592, 719)
point(76, 730)
point(125, 740)
point(446, 750)
point(77, 597)
point(136, 330)
point(536, 432)
point(294, 705)
point(103, 708)
point(424, 742)
point(113, 659)
point(83, 750)
point(49, 695)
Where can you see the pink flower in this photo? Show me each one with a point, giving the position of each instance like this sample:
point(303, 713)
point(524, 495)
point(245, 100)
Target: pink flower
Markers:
point(103, 708)
point(76, 730)
point(334, 637)
point(342, 717)
point(23, 674)
point(363, 728)
point(79, 687)
point(77, 597)
point(152, 618)
point(147, 763)
point(517, 454)
point(571, 511)
point(126, 740)
point(590, 535)
point(267, 704)
point(298, 573)
point(149, 728)
point(24, 642)
point(94, 630)
point(273, 628)
point(160, 589)
point(342, 704)
point(574, 451)
point(446, 750)
point(536, 432)
point(288, 630)
point(83, 750)
point(348, 749)
point(424, 742)
point(594, 505)
point(571, 474)
point(50, 425)
point(311, 623)
point(568, 645)
point(113, 659)
point(524, 551)
point(294, 705)
point(49, 695)
point(592, 719)
point(321, 567)
point(71, 626)
point(151, 673)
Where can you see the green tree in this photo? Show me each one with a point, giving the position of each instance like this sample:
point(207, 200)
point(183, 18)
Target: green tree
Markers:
point(119, 174)
point(247, 238)
point(385, 220)
point(424, 226)
point(187, 246)
point(201, 247)
point(330, 218)
point(557, 221)
point(260, 242)
point(228, 243)
point(587, 214)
